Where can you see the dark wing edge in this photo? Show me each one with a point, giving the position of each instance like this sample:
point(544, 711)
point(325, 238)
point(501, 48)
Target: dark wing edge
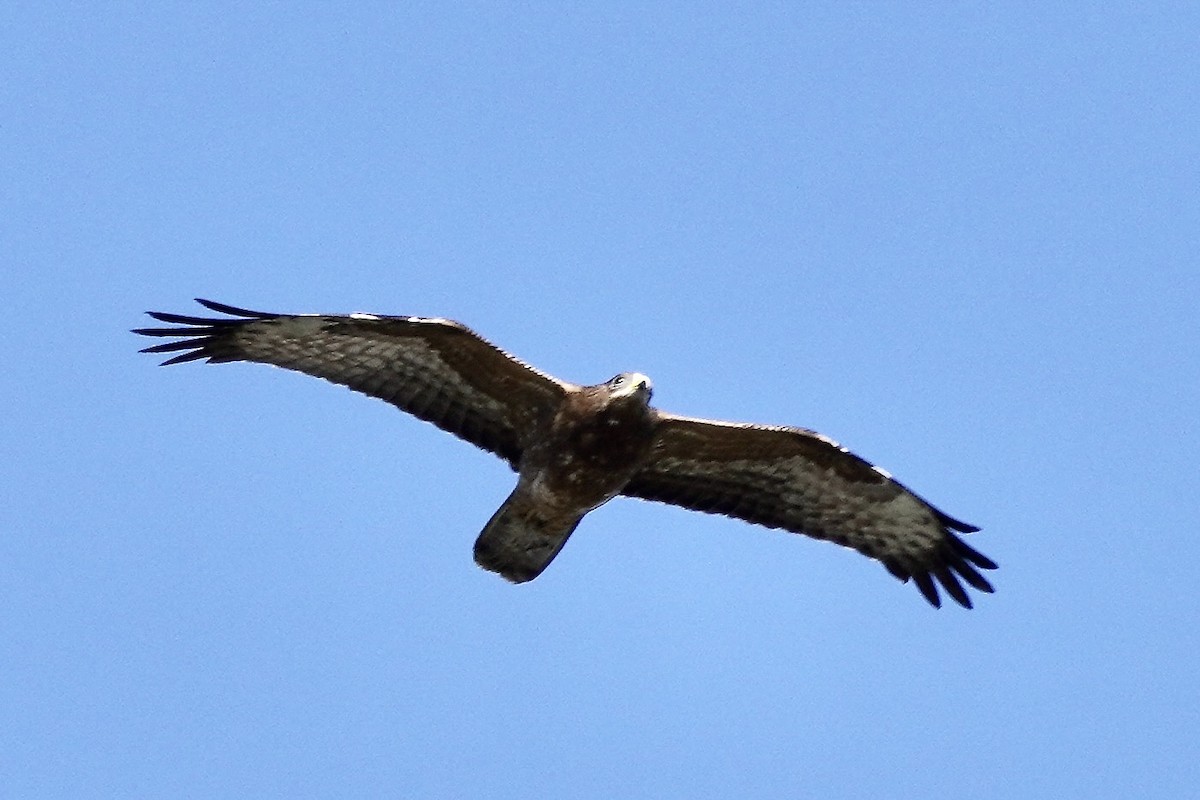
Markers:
point(436, 369)
point(205, 336)
point(955, 559)
point(749, 472)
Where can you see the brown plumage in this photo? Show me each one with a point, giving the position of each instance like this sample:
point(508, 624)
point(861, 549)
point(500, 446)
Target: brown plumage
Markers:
point(576, 447)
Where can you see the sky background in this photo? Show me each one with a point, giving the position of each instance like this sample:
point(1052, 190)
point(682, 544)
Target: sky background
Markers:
point(962, 241)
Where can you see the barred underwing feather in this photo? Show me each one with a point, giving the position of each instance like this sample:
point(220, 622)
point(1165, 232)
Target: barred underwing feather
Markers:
point(487, 397)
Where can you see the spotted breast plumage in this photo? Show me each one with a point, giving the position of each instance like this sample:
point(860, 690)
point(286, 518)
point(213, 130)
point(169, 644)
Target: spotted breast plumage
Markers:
point(574, 447)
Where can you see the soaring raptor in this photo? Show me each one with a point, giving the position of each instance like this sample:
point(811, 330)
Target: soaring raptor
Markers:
point(574, 448)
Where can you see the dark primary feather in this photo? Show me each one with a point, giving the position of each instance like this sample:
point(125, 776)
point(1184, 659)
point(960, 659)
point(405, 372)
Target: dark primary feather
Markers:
point(800, 481)
point(437, 370)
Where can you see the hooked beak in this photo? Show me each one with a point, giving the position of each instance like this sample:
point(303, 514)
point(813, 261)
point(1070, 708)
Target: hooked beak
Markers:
point(639, 384)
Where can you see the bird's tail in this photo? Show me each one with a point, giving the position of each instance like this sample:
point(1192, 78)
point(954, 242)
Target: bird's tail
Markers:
point(520, 540)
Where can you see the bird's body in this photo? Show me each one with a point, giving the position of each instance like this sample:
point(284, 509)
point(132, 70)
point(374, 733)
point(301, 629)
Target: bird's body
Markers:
point(574, 448)
point(590, 450)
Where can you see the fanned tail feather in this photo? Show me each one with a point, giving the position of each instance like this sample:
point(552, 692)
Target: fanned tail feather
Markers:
point(519, 541)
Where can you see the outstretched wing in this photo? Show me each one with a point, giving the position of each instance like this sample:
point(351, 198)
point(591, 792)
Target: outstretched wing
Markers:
point(435, 369)
point(800, 481)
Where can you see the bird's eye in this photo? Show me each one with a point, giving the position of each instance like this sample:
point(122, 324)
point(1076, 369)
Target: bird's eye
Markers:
point(617, 381)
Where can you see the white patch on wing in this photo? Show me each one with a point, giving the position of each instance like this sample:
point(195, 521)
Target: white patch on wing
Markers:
point(363, 315)
point(432, 321)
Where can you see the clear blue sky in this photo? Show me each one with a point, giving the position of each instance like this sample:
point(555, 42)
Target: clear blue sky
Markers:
point(964, 242)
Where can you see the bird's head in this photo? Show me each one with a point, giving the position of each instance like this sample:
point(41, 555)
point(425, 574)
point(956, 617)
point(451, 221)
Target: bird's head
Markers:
point(633, 385)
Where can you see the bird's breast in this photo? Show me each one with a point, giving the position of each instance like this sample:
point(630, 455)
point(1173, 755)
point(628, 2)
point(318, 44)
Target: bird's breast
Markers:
point(586, 462)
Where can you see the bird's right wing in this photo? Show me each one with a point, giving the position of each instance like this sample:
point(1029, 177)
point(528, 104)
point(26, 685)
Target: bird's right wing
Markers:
point(436, 369)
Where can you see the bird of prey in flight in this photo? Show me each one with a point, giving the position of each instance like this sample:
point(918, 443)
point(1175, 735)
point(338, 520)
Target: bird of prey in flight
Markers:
point(574, 448)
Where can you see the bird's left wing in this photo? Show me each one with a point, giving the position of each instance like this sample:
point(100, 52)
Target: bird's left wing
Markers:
point(803, 482)
point(436, 369)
